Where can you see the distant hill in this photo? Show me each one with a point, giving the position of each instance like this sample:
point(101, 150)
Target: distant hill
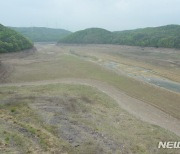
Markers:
point(42, 34)
point(164, 36)
point(91, 36)
point(12, 41)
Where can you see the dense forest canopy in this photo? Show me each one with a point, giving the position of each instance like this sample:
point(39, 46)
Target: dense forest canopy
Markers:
point(42, 34)
point(12, 41)
point(164, 36)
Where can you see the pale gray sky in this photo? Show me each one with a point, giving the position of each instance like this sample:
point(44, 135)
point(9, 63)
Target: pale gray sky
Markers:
point(80, 14)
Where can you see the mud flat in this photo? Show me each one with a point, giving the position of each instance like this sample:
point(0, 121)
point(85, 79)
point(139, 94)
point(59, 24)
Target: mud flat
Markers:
point(157, 81)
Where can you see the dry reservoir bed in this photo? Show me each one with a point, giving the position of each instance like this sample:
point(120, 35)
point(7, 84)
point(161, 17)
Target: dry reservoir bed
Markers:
point(35, 112)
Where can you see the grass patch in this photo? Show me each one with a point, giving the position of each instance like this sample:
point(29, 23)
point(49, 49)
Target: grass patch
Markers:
point(100, 124)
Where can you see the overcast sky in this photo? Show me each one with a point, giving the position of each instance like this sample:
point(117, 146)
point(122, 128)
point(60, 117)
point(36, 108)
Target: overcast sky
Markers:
point(80, 14)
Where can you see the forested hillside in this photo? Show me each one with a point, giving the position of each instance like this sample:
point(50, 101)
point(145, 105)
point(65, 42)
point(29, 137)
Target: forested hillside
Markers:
point(91, 35)
point(12, 41)
point(42, 34)
point(164, 36)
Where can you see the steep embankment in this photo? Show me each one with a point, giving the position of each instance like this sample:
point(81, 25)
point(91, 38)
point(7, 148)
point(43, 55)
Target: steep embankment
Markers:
point(12, 41)
point(164, 36)
point(42, 34)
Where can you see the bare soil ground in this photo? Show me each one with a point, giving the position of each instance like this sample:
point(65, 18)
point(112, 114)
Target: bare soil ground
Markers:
point(7, 68)
point(4, 73)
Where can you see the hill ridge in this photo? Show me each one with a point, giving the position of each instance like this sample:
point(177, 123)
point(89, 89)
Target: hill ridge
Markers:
point(167, 36)
point(42, 34)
